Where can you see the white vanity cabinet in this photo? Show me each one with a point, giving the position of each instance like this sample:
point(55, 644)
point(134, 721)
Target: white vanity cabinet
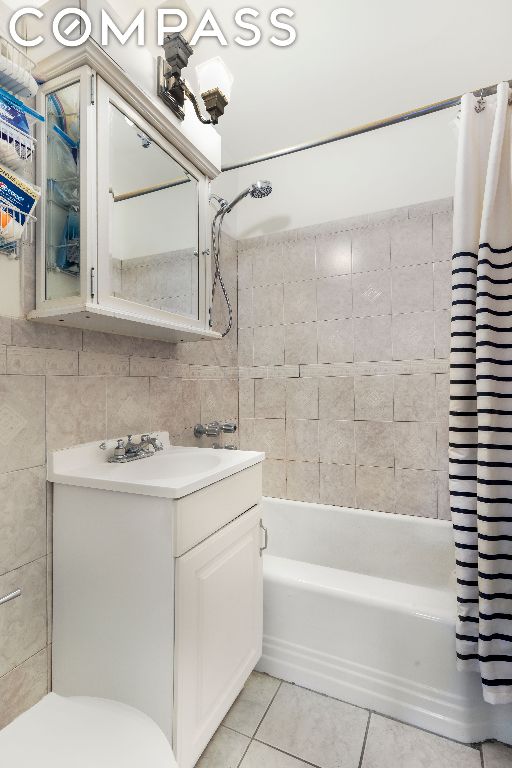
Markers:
point(158, 601)
point(123, 234)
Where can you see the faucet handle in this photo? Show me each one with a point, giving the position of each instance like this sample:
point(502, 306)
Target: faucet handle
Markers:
point(229, 427)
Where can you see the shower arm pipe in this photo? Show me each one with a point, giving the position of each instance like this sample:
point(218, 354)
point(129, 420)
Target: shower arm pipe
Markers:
point(385, 122)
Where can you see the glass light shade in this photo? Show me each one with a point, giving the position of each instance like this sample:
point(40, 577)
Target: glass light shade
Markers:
point(213, 73)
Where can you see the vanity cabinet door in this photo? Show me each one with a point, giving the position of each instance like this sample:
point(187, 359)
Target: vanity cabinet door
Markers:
point(218, 630)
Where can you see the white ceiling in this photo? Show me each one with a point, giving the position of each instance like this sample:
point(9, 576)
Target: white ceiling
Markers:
point(354, 61)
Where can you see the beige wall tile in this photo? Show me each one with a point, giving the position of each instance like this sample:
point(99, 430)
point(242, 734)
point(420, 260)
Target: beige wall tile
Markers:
point(333, 255)
point(3, 360)
point(30, 361)
point(244, 268)
point(268, 305)
point(375, 488)
point(413, 336)
point(413, 289)
point(334, 297)
point(442, 445)
point(374, 398)
point(165, 406)
point(270, 437)
point(299, 259)
point(415, 445)
point(245, 308)
point(442, 396)
point(191, 403)
point(411, 242)
point(372, 339)
point(374, 443)
point(336, 441)
point(23, 687)
point(371, 249)
point(246, 398)
point(416, 492)
point(336, 398)
point(336, 341)
point(442, 235)
point(29, 334)
point(300, 302)
point(5, 330)
point(111, 344)
point(23, 620)
point(270, 399)
point(219, 400)
point(302, 481)
point(443, 285)
point(372, 293)
point(269, 345)
point(246, 346)
point(274, 478)
point(22, 517)
point(443, 497)
point(442, 332)
point(157, 366)
point(267, 265)
point(75, 410)
point(99, 364)
point(337, 484)
point(415, 397)
point(301, 343)
point(302, 440)
point(22, 422)
point(302, 398)
point(127, 406)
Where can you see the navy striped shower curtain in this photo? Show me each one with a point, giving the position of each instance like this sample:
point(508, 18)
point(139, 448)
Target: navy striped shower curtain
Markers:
point(480, 450)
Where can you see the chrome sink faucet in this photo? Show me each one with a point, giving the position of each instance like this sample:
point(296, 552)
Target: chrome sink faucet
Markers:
point(131, 451)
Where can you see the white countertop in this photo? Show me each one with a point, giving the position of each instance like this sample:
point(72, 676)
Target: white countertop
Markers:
point(172, 473)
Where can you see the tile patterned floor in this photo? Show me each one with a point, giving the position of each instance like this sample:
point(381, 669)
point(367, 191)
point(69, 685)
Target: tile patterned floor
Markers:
point(273, 724)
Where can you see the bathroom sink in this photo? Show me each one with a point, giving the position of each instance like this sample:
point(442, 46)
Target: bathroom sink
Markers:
point(172, 473)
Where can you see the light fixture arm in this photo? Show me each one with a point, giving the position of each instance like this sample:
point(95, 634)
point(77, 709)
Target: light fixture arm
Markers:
point(173, 90)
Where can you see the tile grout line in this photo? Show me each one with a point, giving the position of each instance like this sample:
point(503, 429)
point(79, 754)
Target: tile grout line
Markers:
point(370, 713)
point(283, 752)
point(259, 723)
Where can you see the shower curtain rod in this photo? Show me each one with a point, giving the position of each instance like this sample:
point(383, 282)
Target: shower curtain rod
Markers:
point(403, 117)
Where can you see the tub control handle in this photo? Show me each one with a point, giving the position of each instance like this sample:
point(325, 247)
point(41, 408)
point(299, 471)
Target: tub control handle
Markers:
point(10, 596)
point(265, 534)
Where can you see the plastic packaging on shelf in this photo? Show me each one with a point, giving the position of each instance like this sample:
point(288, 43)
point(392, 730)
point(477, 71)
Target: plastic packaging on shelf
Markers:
point(17, 201)
point(17, 144)
point(15, 71)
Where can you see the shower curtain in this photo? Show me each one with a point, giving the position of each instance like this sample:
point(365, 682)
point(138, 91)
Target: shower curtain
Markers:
point(480, 452)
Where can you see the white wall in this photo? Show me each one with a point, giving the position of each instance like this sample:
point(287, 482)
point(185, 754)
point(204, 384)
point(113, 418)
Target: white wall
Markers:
point(393, 167)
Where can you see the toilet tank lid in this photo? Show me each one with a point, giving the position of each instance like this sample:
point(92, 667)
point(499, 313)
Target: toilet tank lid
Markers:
point(81, 731)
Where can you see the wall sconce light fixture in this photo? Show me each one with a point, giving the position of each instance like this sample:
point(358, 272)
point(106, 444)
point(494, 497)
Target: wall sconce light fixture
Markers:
point(214, 79)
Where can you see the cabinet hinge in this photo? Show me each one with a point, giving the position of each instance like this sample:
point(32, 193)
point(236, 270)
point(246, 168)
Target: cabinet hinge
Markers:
point(93, 283)
point(93, 90)
point(265, 539)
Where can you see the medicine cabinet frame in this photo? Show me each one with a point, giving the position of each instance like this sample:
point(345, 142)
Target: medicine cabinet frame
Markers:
point(96, 308)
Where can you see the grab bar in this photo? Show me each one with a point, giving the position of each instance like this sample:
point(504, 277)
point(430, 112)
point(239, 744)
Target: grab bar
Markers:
point(10, 596)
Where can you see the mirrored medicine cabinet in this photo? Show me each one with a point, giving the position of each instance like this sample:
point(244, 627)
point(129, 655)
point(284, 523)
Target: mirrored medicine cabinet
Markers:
point(123, 232)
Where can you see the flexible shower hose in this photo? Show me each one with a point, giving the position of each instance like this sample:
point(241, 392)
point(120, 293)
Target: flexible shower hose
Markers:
point(217, 278)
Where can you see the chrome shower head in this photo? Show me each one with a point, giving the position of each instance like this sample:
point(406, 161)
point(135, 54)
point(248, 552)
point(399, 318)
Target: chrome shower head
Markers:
point(257, 190)
point(261, 189)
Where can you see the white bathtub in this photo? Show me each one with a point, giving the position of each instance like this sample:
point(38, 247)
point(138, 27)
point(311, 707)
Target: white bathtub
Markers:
point(361, 606)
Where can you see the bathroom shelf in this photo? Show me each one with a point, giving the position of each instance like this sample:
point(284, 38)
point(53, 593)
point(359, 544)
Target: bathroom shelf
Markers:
point(17, 145)
point(16, 71)
point(11, 238)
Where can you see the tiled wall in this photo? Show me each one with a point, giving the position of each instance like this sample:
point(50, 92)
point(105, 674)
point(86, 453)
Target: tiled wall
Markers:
point(343, 346)
point(60, 387)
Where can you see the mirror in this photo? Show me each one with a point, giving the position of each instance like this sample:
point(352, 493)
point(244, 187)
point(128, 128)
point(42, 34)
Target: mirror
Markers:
point(154, 237)
point(63, 193)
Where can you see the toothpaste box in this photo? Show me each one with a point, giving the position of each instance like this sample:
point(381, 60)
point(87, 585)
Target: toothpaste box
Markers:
point(12, 115)
point(15, 194)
